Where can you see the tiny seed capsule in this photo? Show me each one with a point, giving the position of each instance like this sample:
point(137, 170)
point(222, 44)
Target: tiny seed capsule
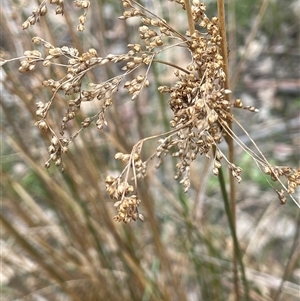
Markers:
point(141, 217)
point(58, 162)
point(54, 141)
point(43, 10)
point(42, 125)
point(215, 171)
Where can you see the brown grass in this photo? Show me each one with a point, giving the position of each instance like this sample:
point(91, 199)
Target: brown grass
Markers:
point(61, 239)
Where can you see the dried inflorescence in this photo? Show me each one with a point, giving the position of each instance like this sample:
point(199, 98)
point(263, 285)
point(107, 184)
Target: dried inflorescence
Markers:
point(291, 174)
point(55, 150)
point(126, 202)
point(29, 63)
point(125, 194)
point(37, 13)
point(77, 65)
point(198, 99)
point(42, 10)
point(82, 18)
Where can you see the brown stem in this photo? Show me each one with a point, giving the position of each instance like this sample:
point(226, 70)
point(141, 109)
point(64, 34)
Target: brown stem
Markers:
point(229, 140)
point(188, 9)
point(172, 65)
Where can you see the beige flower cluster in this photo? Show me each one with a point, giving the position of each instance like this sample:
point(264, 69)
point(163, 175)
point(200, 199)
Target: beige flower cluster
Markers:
point(202, 112)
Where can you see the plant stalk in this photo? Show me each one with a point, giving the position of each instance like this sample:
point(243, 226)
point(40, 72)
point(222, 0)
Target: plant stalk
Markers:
point(189, 14)
point(229, 140)
point(233, 233)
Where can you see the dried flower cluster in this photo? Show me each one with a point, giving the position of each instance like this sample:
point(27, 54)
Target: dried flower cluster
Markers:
point(42, 10)
point(82, 18)
point(76, 67)
point(125, 195)
point(31, 58)
point(38, 12)
point(291, 174)
point(198, 99)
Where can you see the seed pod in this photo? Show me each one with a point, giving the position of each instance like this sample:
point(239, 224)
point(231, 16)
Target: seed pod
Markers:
point(54, 141)
point(42, 125)
point(238, 103)
point(58, 162)
point(46, 63)
point(215, 171)
point(43, 10)
point(217, 164)
point(26, 24)
point(141, 217)
point(31, 67)
point(55, 52)
point(137, 60)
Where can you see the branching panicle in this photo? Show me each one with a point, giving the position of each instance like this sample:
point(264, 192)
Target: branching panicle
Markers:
point(201, 111)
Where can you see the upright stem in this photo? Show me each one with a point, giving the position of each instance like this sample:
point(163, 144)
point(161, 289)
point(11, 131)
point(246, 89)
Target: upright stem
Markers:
point(233, 233)
point(232, 35)
point(229, 140)
point(188, 9)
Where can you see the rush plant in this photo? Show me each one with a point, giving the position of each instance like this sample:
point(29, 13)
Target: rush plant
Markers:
point(199, 105)
point(199, 99)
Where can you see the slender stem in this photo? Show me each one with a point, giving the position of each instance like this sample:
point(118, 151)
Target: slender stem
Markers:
point(188, 9)
point(232, 34)
point(172, 65)
point(229, 140)
point(162, 102)
point(233, 232)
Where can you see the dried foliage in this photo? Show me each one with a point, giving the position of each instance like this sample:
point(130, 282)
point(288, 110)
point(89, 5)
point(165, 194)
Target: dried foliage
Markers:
point(70, 246)
point(201, 110)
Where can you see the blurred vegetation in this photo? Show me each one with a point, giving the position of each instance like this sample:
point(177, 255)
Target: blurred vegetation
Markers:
point(59, 240)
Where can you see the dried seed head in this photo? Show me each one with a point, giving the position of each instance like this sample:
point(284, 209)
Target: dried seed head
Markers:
point(80, 27)
point(55, 141)
point(215, 171)
point(43, 10)
point(141, 217)
point(36, 40)
point(238, 103)
point(42, 125)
